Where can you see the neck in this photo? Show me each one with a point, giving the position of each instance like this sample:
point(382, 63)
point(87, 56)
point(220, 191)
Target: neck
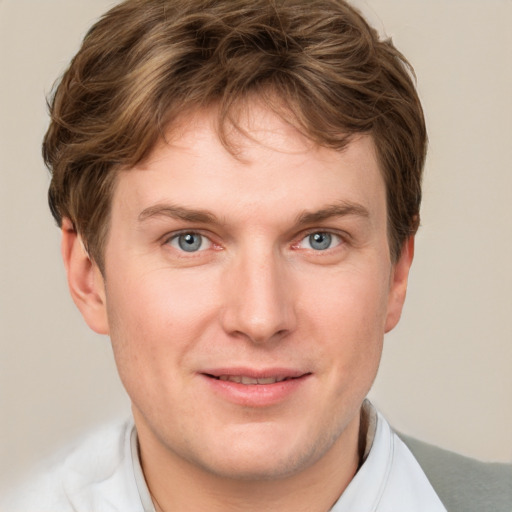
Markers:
point(178, 484)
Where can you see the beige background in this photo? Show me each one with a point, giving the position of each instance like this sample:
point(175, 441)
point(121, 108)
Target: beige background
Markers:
point(446, 373)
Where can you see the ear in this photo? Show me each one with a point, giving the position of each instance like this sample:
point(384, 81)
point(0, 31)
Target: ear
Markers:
point(85, 281)
point(398, 284)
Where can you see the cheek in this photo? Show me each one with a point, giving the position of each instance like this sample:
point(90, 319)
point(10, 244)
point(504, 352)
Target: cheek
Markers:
point(152, 328)
point(349, 299)
point(348, 317)
point(157, 317)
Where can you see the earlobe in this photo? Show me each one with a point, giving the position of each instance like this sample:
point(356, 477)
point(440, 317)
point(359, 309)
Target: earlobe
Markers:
point(398, 284)
point(85, 281)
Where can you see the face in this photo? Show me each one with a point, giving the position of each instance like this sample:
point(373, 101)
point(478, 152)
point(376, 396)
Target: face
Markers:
point(247, 298)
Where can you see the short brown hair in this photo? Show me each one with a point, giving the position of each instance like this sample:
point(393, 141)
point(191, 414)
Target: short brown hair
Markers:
point(147, 62)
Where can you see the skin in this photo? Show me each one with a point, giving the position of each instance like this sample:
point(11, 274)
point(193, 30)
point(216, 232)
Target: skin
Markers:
point(258, 297)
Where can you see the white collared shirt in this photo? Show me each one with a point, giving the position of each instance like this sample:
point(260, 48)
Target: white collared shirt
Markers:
point(104, 474)
point(390, 480)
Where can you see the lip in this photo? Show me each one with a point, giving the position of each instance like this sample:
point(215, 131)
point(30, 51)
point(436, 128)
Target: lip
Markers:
point(255, 395)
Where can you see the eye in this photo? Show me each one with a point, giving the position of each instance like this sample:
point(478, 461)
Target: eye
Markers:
point(189, 242)
point(320, 241)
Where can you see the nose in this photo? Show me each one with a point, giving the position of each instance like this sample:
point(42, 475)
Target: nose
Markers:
point(258, 299)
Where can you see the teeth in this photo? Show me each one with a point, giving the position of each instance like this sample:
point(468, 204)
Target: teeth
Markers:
point(242, 379)
point(268, 380)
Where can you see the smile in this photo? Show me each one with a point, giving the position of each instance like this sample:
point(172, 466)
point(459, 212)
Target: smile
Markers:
point(256, 388)
point(242, 379)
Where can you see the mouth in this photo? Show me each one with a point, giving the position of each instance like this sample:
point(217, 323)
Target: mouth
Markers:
point(252, 381)
point(256, 388)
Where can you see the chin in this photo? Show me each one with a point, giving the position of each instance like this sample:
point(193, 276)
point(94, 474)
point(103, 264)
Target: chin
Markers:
point(264, 468)
point(267, 456)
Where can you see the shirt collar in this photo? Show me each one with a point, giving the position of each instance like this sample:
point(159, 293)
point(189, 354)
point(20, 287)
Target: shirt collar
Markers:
point(390, 479)
point(140, 481)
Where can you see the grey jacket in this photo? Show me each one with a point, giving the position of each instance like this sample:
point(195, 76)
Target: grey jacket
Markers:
point(464, 484)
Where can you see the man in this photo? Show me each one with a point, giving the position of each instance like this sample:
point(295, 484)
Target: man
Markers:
point(238, 186)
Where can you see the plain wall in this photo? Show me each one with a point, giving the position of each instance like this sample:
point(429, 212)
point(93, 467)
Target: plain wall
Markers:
point(446, 371)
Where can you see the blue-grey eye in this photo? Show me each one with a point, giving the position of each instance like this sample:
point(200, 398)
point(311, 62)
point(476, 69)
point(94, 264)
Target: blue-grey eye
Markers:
point(188, 242)
point(320, 241)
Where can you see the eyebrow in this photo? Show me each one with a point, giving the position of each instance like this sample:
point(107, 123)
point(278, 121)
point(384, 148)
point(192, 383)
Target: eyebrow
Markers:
point(178, 212)
point(341, 209)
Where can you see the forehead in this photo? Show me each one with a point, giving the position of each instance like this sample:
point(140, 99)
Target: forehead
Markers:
point(269, 166)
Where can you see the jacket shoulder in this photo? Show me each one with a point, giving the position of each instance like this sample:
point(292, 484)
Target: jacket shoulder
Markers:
point(464, 484)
